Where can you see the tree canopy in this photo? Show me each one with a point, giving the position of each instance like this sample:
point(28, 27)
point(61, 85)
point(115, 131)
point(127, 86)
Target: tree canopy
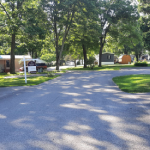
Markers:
point(80, 28)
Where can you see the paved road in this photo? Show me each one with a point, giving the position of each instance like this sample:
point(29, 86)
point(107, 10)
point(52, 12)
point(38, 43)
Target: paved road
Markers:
point(61, 67)
point(77, 111)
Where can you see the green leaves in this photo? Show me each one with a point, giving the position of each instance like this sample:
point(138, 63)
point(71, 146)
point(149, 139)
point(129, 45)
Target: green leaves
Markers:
point(144, 6)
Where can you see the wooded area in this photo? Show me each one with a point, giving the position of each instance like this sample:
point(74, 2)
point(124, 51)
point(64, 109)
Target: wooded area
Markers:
point(79, 28)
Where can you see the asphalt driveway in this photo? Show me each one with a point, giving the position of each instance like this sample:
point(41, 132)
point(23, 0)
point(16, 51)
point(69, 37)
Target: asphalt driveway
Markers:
point(77, 111)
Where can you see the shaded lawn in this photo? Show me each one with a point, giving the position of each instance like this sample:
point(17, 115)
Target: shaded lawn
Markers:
point(104, 67)
point(21, 81)
point(133, 83)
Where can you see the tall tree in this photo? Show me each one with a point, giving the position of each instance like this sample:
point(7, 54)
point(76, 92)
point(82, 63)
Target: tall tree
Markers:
point(110, 12)
point(61, 16)
point(13, 10)
point(144, 8)
point(124, 37)
point(84, 32)
point(145, 27)
point(34, 31)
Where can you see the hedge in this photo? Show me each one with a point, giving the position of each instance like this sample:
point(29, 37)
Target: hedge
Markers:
point(142, 64)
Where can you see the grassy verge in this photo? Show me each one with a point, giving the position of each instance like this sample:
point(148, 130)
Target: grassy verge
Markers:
point(133, 83)
point(22, 73)
point(104, 67)
point(21, 81)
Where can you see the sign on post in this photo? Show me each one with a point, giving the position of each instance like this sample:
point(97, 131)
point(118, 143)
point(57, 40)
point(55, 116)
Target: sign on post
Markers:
point(32, 67)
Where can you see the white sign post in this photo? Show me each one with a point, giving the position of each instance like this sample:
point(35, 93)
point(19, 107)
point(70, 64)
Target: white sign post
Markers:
point(25, 70)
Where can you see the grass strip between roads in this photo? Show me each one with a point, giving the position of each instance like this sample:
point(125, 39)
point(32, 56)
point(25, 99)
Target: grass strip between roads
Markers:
point(21, 81)
point(133, 83)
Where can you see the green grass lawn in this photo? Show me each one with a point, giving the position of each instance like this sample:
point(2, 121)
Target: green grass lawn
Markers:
point(104, 67)
point(22, 73)
point(133, 83)
point(21, 81)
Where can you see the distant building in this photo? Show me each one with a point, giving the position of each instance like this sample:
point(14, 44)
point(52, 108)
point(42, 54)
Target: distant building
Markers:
point(5, 62)
point(107, 58)
point(125, 59)
point(145, 57)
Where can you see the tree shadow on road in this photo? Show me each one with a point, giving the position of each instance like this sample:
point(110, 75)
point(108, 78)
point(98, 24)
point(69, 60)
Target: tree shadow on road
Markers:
point(78, 111)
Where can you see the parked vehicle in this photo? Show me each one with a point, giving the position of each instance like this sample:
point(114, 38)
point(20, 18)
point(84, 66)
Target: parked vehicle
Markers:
point(39, 67)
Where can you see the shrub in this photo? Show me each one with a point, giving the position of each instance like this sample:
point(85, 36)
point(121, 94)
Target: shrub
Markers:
point(142, 64)
point(90, 62)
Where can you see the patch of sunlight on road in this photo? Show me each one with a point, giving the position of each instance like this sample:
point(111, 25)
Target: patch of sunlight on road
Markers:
point(72, 94)
point(84, 106)
point(125, 131)
point(65, 87)
point(91, 85)
point(73, 126)
point(80, 100)
point(79, 142)
point(23, 123)
point(24, 103)
point(133, 141)
point(144, 118)
point(110, 118)
point(44, 145)
point(2, 116)
point(88, 93)
point(106, 90)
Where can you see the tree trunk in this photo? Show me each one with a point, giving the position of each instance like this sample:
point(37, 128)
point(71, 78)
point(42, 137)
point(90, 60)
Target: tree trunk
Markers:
point(100, 57)
point(61, 50)
point(57, 55)
point(126, 51)
point(32, 53)
point(85, 56)
point(57, 59)
point(36, 55)
point(100, 51)
point(12, 61)
point(75, 64)
point(137, 58)
point(56, 43)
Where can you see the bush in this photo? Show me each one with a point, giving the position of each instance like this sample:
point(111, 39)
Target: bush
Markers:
point(142, 64)
point(90, 62)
